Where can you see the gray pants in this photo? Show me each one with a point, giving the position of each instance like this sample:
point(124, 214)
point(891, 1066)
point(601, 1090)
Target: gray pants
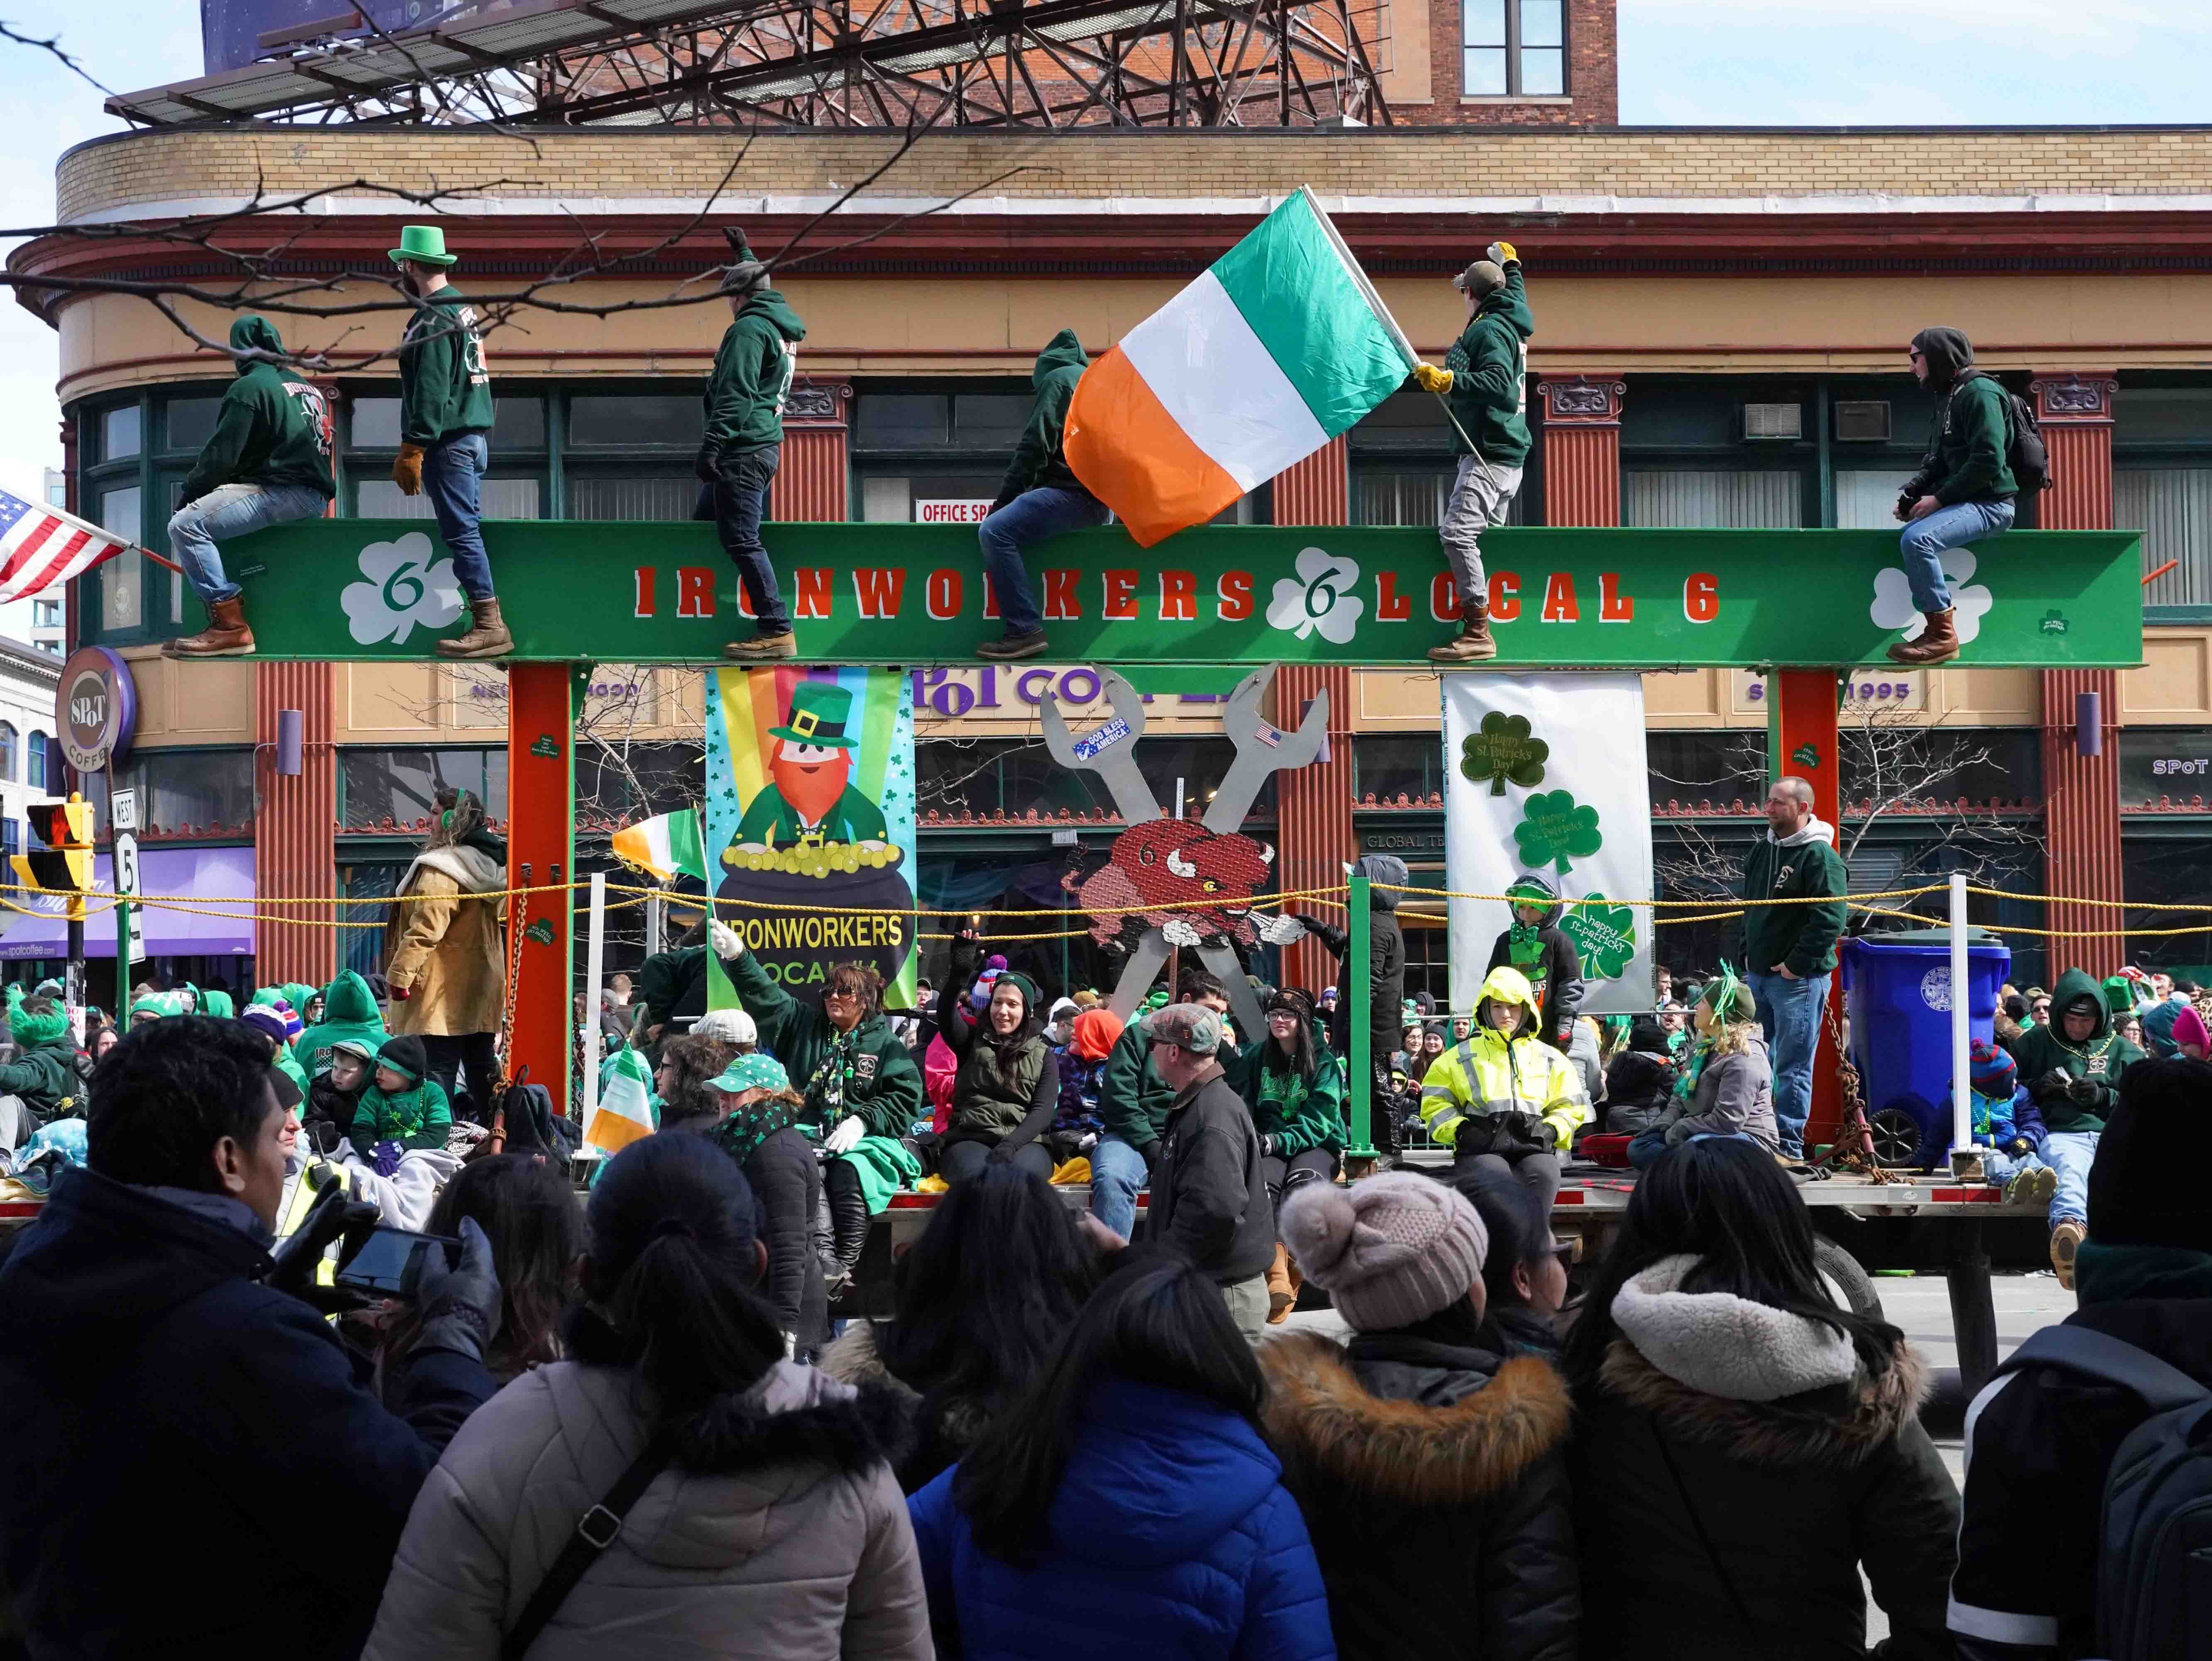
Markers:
point(1248, 1306)
point(1480, 496)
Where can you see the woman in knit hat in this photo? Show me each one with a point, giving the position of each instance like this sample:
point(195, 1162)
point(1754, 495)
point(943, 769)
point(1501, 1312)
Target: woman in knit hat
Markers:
point(1007, 1087)
point(1430, 1467)
point(1744, 1448)
point(403, 1105)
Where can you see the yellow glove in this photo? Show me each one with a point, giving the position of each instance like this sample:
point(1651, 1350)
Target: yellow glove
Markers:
point(1503, 253)
point(407, 470)
point(1431, 379)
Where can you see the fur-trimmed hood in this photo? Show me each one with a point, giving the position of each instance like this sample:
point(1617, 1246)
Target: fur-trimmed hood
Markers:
point(1319, 1416)
point(853, 1359)
point(1719, 1344)
point(1834, 1428)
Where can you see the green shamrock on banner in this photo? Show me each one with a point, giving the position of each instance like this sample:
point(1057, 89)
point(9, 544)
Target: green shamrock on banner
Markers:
point(1552, 828)
point(1604, 936)
point(1504, 750)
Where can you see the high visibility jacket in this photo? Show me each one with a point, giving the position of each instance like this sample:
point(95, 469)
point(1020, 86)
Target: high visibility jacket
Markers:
point(1486, 1072)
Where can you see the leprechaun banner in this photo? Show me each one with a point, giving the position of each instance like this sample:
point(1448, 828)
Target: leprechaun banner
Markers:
point(810, 823)
point(1546, 778)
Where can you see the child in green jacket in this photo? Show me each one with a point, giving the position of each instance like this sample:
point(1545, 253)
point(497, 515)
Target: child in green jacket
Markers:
point(402, 1104)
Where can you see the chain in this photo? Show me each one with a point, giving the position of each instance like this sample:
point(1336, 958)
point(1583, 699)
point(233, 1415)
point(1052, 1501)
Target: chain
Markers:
point(1853, 1148)
point(516, 923)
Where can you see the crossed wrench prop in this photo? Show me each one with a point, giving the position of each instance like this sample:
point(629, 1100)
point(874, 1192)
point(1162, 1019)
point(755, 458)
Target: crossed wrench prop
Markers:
point(1110, 751)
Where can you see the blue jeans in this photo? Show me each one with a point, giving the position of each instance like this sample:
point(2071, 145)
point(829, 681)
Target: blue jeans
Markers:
point(738, 502)
point(1646, 1146)
point(452, 476)
point(1030, 517)
point(228, 511)
point(1117, 1172)
point(2002, 1167)
point(1789, 1015)
point(2070, 1153)
point(1925, 539)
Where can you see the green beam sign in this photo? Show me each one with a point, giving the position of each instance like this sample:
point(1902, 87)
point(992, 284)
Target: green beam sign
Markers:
point(915, 593)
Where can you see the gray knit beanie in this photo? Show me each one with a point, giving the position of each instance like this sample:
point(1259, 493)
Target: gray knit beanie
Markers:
point(1389, 1250)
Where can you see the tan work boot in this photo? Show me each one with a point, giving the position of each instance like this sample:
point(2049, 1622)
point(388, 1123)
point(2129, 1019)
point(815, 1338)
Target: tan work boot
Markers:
point(1282, 1296)
point(1474, 644)
point(2066, 1245)
point(225, 636)
point(762, 648)
point(1938, 643)
point(487, 638)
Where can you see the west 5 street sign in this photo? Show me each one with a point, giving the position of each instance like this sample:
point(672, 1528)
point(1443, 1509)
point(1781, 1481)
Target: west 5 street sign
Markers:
point(916, 593)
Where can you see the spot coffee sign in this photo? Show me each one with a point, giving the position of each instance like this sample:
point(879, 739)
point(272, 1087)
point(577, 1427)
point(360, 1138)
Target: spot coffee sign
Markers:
point(95, 709)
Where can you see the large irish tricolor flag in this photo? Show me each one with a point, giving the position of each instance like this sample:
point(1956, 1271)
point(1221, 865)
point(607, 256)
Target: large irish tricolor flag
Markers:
point(1278, 348)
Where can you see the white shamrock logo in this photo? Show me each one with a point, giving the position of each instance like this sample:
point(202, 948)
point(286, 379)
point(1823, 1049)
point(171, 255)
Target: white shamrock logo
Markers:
point(406, 583)
point(1893, 606)
point(1318, 597)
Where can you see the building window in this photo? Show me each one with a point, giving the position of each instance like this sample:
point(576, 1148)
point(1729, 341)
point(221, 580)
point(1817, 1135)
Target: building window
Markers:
point(1513, 48)
point(514, 488)
point(1708, 499)
point(2172, 508)
point(7, 750)
point(34, 762)
point(1404, 498)
point(11, 837)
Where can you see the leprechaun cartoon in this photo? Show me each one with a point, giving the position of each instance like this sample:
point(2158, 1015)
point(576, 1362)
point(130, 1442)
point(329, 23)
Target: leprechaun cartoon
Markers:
point(811, 803)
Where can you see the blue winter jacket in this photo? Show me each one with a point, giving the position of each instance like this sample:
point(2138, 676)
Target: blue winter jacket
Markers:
point(2010, 1120)
point(193, 1469)
point(1172, 1538)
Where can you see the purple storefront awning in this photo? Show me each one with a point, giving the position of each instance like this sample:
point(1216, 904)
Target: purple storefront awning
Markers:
point(199, 877)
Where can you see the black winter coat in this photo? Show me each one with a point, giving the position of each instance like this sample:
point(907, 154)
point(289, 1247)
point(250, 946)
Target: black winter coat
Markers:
point(1794, 1495)
point(1386, 965)
point(172, 1400)
point(2039, 1451)
point(1433, 1484)
point(1637, 1087)
point(786, 1184)
point(1209, 1191)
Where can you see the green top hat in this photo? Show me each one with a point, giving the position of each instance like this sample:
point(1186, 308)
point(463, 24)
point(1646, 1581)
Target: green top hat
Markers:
point(423, 243)
point(820, 710)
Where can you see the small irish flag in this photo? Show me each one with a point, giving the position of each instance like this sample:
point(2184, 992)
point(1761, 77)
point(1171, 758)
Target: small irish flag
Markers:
point(1278, 348)
point(669, 846)
point(624, 1112)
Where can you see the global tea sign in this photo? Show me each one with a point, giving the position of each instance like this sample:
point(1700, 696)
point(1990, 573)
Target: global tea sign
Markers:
point(95, 709)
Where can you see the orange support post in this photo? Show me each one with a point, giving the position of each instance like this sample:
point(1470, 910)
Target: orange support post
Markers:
point(1803, 736)
point(541, 849)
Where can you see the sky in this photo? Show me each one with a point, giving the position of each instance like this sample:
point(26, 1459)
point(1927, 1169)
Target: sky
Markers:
point(1683, 62)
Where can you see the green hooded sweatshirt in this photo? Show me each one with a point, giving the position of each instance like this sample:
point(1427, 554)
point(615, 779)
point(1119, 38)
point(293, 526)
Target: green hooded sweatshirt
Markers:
point(1038, 463)
point(218, 1004)
point(1970, 436)
point(2100, 1058)
point(273, 427)
point(753, 368)
point(1490, 374)
point(417, 1117)
point(445, 388)
point(1302, 1113)
point(352, 1013)
point(44, 1071)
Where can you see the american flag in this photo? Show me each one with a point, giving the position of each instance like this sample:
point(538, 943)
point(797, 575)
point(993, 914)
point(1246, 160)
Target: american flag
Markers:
point(40, 547)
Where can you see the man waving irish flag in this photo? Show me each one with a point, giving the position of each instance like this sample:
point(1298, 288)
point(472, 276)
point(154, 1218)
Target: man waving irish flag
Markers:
point(1281, 346)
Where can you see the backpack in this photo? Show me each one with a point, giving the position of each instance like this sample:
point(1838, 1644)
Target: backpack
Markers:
point(2026, 452)
point(2155, 1536)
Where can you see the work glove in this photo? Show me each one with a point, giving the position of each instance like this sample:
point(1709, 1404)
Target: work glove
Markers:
point(2082, 1093)
point(845, 1135)
point(705, 464)
point(1904, 501)
point(407, 470)
point(1277, 930)
point(1503, 253)
point(460, 1303)
point(2052, 1087)
point(1433, 380)
point(296, 1257)
point(729, 945)
point(1268, 1144)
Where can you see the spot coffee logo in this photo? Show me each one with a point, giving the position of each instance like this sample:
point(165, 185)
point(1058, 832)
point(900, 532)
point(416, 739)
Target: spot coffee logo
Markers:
point(95, 709)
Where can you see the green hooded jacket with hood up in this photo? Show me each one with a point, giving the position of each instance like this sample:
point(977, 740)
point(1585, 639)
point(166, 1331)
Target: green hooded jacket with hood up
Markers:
point(2100, 1058)
point(1490, 374)
point(272, 428)
point(351, 1012)
point(1970, 437)
point(753, 368)
point(1038, 463)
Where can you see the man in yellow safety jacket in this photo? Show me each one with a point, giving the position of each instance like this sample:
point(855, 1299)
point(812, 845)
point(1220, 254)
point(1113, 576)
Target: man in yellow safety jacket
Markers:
point(1503, 1097)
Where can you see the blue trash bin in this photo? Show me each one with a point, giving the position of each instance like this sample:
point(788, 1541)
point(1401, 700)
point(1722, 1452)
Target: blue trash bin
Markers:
point(1897, 996)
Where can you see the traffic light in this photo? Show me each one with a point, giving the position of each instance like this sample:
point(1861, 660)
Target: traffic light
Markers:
point(63, 865)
